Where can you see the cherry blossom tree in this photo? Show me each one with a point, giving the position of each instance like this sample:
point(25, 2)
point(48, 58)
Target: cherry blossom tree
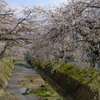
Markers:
point(12, 31)
point(71, 30)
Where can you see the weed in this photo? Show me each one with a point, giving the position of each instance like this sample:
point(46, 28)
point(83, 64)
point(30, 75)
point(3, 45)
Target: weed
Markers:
point(31, 80)
point(46, 82)
point(58, 99)
point(47, 95)
point(27, 92)
point(24, 84)
point(44, 92)
point(43, 86)
point(45, 99)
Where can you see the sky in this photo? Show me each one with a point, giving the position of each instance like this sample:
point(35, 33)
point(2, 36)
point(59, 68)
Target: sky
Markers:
point(17, 4)
point(44, 3)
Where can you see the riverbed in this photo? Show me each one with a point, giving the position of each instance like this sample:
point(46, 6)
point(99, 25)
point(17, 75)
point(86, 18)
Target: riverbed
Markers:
point(23, 82)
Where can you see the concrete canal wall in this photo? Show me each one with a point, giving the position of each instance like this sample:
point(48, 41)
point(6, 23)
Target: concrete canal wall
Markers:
point(70, 86)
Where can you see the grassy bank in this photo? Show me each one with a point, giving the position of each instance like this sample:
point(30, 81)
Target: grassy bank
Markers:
point(86, 76)
point(18, 60)
point(6, 66)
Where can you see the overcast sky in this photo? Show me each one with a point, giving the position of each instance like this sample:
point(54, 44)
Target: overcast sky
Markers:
point(17, 4)
point(31, 3)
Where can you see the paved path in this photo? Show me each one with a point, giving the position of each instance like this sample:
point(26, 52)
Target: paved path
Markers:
point(18, 72)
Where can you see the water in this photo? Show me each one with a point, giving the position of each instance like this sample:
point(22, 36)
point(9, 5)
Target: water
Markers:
point(20, 68)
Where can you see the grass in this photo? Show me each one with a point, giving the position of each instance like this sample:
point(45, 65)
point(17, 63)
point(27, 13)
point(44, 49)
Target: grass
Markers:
point(84, 75)
point(17, 60)
point(6, 65)
point(43, 91)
